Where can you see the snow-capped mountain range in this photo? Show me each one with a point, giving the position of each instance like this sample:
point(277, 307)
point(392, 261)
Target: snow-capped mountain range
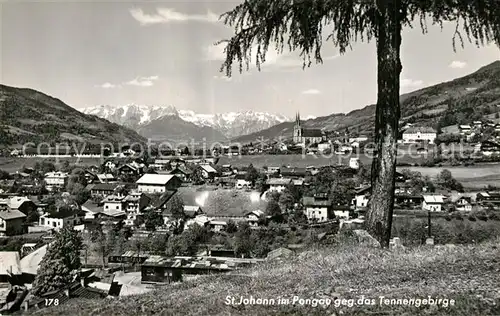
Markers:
point(230, 124)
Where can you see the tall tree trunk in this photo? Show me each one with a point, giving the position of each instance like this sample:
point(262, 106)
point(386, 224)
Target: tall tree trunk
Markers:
point(379, 218)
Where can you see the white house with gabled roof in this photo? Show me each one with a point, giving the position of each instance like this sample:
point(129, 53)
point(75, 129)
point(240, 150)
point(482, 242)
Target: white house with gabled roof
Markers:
point(157, 183)
point(433, 203)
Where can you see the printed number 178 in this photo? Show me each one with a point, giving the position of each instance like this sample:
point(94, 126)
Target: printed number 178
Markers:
point(51, 301)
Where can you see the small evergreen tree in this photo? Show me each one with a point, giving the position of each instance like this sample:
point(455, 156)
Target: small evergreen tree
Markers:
point(153, 219)
point(243, 245)
point(59, 263)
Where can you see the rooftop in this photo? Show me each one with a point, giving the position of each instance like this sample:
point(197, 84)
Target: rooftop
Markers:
point(11, 214)
point(10, 262)
point(208, 168)
point(103, 186)
point(311, 201)
point(31, 262)
point(419, 129)
point(433, 199)
point(279, 181)
point(151, 178)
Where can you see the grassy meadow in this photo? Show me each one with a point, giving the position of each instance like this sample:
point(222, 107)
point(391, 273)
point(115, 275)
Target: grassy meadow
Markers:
point(10, 164)
point(343, 273)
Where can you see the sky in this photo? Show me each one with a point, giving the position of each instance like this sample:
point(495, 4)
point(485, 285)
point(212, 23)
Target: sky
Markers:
point(91, 53)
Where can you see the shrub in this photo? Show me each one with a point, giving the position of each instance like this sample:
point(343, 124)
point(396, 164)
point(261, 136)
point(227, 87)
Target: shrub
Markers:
point(494, 217)
point(472, 218)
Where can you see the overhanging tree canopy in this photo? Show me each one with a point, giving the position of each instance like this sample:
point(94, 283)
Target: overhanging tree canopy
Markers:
point(300, 26)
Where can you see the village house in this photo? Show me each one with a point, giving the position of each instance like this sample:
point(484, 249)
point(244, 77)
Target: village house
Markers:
point(217, 225)
point(318, 208)
point(91, 210)
point(110, 165)
point(90, 176)
point(12, 222)
point(464, 129)
point(273, 170)
point(161, 164)
point(61, 219)
point(115, 203)
point(354, 163)
point(157, 183)
point(227, 182)
point(489, 197)
point(490, 147)
point(278, 184)
point(135, 203)
point(226, 171)
point(463, 204)
point(433, 203)
point(200, 220)
point(293, 173)
point(184, 174)
point(40, 206)
point(242, 182)
point(159, 203)
point(407, 200)
point(324, 146)
point(341, 211)
point(207, 171)
point(130, 169)
point(192, 214)
point(56, 180)
point(253, 218)
point(105, 178)
point(341, 148)
point(191, 211)
point(100, 190)
point(112, 216)
point(362, 197)
point(7, 185)
point(359, 139)
point(419, 134)
point(20, 203)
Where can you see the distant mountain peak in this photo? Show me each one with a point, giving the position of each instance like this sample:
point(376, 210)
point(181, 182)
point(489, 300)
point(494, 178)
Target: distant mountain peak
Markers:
point(229, 124)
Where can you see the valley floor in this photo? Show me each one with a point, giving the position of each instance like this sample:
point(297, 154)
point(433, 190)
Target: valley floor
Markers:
point(469, 275)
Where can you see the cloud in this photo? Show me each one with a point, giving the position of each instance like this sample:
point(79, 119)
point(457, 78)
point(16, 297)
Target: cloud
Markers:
point(224, 78)
point(457, 64)
point(285, 61)
point(311, 91)
point(167, 15)
point(410, 83)
point(107, 85)
point(332, 57)
point(143, 81)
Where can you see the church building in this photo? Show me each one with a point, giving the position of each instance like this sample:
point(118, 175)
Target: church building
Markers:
point(306, 136)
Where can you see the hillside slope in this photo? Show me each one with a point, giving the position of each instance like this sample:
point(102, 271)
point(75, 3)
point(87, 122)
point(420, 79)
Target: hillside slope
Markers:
point(475, 96)
point(27, 115)
point(467, 274)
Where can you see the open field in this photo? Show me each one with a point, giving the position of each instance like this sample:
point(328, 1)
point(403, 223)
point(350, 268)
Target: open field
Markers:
point(14, 164)
point(299, 160)
point(469, 275)
point(480, 172)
